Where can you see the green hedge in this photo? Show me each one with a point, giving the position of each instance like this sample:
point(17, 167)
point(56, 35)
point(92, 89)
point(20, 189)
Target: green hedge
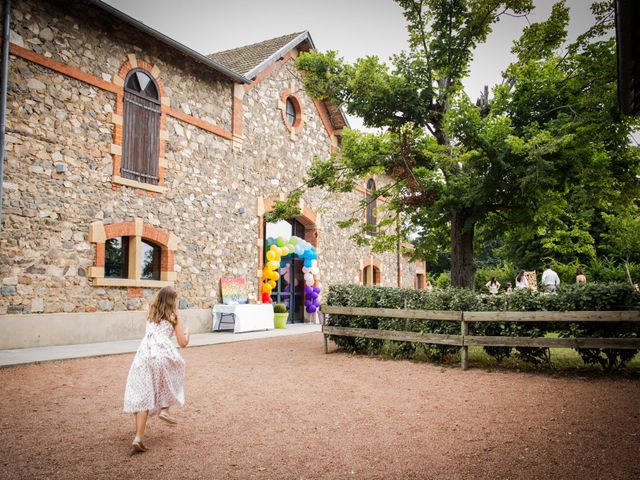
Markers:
point(569, 297)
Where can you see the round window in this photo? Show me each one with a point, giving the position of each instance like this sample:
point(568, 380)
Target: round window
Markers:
point(291, 112)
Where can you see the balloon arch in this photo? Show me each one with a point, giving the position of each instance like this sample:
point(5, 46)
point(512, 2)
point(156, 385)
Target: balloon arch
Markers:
point(278, 249)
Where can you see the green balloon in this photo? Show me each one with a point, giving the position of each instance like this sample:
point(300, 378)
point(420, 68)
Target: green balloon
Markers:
point(281, 241)
point(293, 240)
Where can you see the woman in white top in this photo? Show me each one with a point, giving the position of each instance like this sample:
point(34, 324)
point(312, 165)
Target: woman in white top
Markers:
point(521, 281)
point(493, 286)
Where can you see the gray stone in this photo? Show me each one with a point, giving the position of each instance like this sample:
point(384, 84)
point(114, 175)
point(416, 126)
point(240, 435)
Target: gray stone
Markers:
point(10, 281)
point(68, 307)
point(8, 291)
point(35, 84)
point(105, 305)
point(46, 34)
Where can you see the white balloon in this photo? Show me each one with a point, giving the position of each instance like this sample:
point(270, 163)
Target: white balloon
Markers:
point(314, 263)
point(315, 270)
point(308, 277)
point(309, 282)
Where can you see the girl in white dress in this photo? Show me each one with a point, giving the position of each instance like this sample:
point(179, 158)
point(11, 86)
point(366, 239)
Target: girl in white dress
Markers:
point(156, 377)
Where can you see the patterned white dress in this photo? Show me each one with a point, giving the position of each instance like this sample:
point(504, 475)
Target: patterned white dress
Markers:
point(156, 377)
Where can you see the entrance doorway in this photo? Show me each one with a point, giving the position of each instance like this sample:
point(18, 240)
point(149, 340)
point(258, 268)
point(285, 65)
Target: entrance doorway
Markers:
point(290, 286)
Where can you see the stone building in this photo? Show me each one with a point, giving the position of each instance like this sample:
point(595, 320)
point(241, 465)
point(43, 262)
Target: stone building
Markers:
point(134, 162)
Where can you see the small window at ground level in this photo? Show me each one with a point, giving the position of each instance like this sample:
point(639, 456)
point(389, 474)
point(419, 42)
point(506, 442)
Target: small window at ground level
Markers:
point(291, 112)
point(116, 258)
point(150, 261)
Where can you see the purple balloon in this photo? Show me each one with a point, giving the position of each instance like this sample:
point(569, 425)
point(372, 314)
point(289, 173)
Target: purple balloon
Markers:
point(316, 303)
point(311, 308)
point(307, 303)
point(308, 290)
point(316, 289)
point(312, 296)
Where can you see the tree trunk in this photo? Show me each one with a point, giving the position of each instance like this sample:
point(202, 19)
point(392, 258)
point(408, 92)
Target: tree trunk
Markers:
point(626, 267)
point(462, 268)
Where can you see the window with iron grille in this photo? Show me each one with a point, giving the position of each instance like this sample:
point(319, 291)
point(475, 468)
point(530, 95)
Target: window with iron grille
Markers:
point(371, 207)
point(141, 128)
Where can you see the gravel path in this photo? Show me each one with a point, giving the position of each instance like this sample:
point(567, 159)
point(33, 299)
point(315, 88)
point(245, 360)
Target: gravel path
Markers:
point(279, 408)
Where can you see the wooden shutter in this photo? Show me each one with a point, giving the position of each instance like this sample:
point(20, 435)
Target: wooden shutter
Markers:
point(141, 140)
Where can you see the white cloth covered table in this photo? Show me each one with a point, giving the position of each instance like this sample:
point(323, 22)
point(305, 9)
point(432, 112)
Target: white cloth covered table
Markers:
point(248, 317)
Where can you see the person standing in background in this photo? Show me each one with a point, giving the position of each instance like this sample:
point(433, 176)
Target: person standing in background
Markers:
point(550, 279)
point(521, 281)
point(580, 278)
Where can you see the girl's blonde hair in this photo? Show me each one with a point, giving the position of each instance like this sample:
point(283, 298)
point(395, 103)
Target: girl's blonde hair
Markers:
point(164, 306)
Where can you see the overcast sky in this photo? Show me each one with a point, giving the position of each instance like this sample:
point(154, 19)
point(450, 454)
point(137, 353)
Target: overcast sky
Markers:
point(355, 28)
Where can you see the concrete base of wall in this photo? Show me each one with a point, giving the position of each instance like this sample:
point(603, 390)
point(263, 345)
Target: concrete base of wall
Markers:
point(47, 329)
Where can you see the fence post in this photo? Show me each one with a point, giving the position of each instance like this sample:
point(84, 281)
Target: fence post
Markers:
point(464, 350)
point(326, 346)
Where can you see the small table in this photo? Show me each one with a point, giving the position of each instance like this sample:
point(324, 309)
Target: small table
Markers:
point(247, 317)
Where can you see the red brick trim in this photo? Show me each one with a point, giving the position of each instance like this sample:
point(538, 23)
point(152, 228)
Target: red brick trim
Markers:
point(72, 72)
point(196, 122)
point(297, 105)
point(324, 116)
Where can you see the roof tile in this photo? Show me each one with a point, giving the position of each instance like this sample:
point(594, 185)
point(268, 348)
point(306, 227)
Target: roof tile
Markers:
point(244, 59)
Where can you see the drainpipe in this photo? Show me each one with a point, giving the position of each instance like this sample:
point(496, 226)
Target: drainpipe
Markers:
point(6, 17)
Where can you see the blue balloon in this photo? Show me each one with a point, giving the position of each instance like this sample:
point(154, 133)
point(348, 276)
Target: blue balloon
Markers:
point(307, 262)
point(283, 264)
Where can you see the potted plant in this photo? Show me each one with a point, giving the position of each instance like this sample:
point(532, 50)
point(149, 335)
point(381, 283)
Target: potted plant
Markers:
point(280, 315)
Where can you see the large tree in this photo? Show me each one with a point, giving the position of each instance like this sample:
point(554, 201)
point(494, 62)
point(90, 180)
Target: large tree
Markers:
point(458, 167)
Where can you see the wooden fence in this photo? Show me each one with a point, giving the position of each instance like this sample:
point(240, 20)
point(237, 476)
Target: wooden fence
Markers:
point(464, 340)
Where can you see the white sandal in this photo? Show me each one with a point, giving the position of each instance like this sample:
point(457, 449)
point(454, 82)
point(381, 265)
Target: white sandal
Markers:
point(165, 417)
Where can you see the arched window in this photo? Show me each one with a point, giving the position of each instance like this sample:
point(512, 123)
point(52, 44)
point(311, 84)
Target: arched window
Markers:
point(141, 128)
point(371, 207)
point(291, 112)
point(371, 275)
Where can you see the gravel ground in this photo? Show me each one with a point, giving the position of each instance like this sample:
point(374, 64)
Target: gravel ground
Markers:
point(280, 408)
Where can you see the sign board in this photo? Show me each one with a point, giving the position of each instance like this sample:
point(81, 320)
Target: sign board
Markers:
point(233, 291)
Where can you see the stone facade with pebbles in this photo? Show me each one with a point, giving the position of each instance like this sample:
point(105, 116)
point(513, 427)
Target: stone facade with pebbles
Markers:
point(226, 152)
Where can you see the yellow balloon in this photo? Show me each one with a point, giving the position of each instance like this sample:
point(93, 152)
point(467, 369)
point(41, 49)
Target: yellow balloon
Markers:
point(266, 288)
point(274, 275)
point(271, 255)
point(272, 265)
point(271, 284)
point(277, 250)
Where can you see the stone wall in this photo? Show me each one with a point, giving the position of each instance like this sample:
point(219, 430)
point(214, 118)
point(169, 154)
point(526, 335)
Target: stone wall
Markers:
point(213, 193)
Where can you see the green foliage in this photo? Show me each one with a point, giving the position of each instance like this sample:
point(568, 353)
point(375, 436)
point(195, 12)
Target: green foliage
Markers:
point(515, 170)
point(279, 308)
point(593, 297)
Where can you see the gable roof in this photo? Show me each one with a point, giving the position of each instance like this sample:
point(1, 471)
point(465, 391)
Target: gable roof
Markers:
point(249, 60)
